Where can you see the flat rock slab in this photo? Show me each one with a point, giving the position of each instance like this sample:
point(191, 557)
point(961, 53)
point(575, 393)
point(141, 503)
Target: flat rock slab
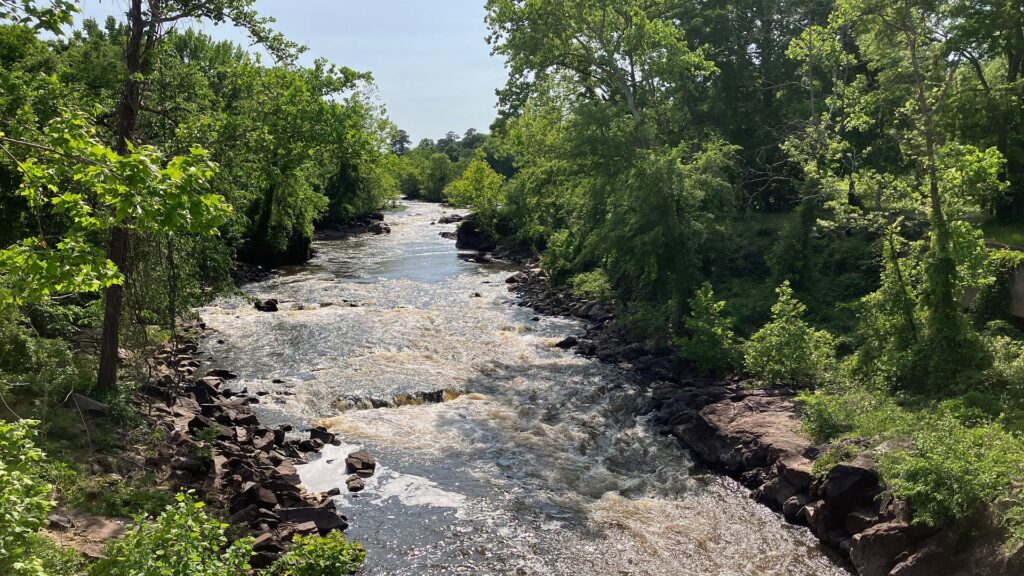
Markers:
point(746, 431)
point(85, 533)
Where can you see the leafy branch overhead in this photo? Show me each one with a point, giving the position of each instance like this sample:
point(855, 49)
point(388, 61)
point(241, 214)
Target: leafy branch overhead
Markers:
point(74, 179)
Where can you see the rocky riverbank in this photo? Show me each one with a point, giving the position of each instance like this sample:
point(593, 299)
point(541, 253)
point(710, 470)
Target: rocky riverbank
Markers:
point(754, 436)
point(215, 447)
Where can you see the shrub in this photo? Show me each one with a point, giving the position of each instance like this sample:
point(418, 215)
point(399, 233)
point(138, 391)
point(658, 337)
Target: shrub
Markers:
point(592, 284)
point(787, 349)
point(331, 555)
point(24, 498)
point(711, 343)
point(954, 470)
point(183, 541)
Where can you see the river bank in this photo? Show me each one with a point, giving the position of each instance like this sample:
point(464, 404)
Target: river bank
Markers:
point(754, 436)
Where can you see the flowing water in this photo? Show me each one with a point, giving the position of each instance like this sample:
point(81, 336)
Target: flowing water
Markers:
point(535, 462)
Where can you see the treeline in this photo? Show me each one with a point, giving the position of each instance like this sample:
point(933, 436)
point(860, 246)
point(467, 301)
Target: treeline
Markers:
point(426, 170)
point(826, 166)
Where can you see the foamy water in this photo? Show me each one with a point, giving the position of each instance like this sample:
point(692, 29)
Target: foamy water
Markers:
point(538, 462)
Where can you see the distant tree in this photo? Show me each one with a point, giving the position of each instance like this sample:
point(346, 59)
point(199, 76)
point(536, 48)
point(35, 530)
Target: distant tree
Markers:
point(401, 143)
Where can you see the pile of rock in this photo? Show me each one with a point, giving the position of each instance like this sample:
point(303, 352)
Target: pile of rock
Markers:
point(219, 449)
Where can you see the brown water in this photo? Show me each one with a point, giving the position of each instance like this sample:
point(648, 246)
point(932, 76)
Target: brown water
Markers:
point(539, 462)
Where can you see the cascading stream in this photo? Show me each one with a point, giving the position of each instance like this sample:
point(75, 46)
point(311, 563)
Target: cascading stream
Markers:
point(497, 452)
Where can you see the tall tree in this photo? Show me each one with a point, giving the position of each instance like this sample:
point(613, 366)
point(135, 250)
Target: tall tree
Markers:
point(146, 22)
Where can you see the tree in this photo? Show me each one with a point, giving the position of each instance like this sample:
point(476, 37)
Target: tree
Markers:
point(400, 143)
point(146, 21)
point(479, 188)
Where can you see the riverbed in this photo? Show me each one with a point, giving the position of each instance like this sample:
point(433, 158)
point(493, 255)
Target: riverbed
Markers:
point(497, 452)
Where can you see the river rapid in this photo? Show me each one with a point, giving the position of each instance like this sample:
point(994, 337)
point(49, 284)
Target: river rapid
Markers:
point(537, 461)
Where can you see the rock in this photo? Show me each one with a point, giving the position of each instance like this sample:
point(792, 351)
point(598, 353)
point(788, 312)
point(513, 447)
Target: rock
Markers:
point(222, 373)
point(361, 462)
point(268, 542)
point(929, 561)
point(876, 551)
point(270, 305)
point(320, 433)
point(253, 494)
point(192, 465)
point(568, 342)
point(60, 522)
point(311, 445)
point(88, 405)
point(379, 228)
point(355, 484)
point(288, 473)
point(325, 519)
point(796, 470)
point(451, 219)
point(860, 520)
point(333, 492)
point(851, 485)
point(448, 235)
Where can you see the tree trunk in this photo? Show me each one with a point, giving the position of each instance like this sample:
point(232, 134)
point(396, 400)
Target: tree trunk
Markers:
point(127, 114)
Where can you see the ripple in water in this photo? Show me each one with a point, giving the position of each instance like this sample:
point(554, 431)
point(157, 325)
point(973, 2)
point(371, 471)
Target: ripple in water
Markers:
point(534, 463)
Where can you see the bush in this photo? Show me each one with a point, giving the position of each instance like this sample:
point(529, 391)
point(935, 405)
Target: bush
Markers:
point(711, 343)
point(592, 284)
point(787, 349)
point(24, 498)
point(954, 470)
point(331, 555)
point(183, 541)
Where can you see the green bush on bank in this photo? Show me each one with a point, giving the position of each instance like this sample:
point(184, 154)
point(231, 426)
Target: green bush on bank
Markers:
point(787, 349)
point(949, 460)
point(331, 555)
point(24, 499)
point(711, 342)
point(183, 541)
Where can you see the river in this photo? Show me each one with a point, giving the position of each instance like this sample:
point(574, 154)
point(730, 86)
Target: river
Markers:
point(537, 462)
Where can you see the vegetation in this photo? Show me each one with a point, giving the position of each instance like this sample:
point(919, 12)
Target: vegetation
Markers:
point(666, 152)
point(331, 555)
point(182, 541)
point(659, 153)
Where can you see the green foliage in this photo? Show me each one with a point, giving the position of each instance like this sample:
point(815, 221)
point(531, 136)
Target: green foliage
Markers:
point(953, 470)
point(182, 541)
point(78, 179)
point(24, 498)
point(593, 285)
point(479, 188)
point(331, 555)
point(711, 343)
point(787, 349)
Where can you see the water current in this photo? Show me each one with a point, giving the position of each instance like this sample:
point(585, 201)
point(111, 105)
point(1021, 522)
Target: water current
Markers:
point(537, 461)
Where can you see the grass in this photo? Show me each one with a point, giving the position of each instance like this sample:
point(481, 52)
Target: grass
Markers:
point(1008, 233)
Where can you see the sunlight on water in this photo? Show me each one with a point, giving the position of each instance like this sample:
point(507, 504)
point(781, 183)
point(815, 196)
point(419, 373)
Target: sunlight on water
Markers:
point(498, 453)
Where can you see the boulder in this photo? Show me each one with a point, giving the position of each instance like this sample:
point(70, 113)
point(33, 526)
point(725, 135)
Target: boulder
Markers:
point(270, 305)
point(361, 462)
point(568, 343)
point(320, 433)
point(355, 484)
point(877, 550)
point(451, 219)
point(325, 519)
point(222, 374)
point(851, 485)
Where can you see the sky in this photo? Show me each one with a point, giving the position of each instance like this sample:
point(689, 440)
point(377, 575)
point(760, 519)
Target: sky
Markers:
point(429, 58)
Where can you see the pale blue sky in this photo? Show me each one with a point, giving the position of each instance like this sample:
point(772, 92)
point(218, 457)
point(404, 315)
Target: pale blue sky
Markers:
point(429, 58)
